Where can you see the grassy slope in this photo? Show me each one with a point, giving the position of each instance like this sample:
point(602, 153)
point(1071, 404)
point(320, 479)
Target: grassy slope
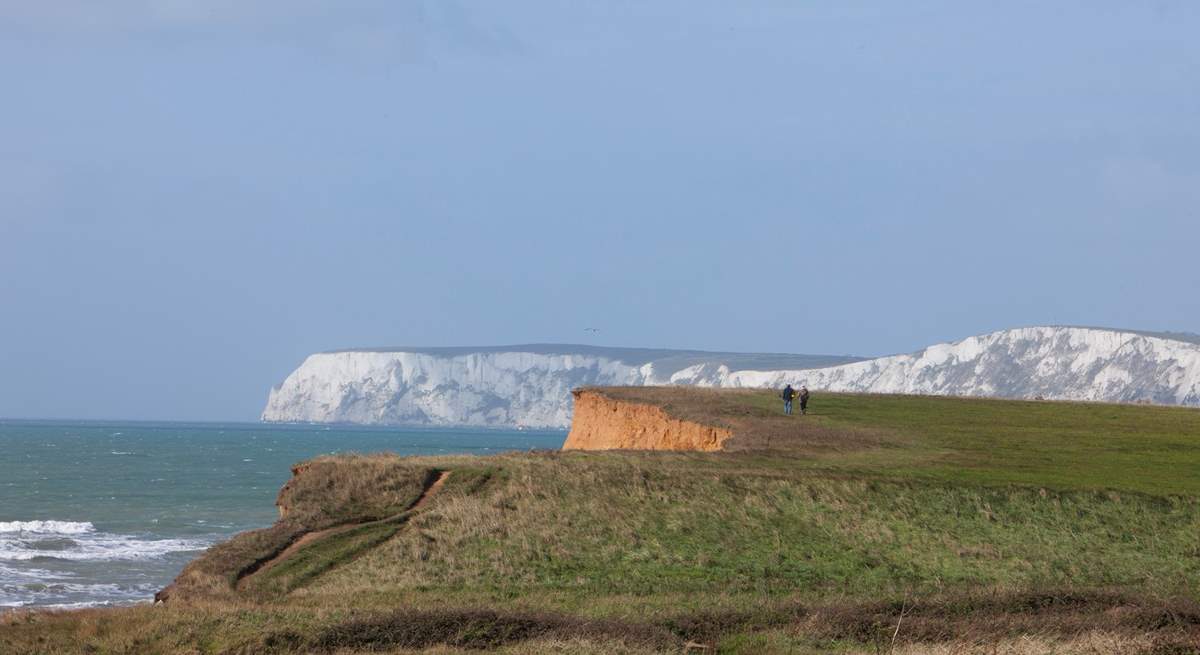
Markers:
point(1152, 450)
point(973, 441)
point(1067, 526)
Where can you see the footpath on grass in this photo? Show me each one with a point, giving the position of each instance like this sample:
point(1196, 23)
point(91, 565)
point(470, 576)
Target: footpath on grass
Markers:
point(244, 577)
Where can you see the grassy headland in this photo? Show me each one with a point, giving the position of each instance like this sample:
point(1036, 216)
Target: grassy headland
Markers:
point(874, 524)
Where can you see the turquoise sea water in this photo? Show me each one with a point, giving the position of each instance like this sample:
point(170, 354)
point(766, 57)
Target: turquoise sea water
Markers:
point(100, 513)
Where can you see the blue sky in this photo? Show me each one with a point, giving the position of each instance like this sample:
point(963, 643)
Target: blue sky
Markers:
point(194, 196)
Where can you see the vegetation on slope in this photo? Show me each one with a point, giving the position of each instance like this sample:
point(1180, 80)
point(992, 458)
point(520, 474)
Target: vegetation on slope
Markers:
point(1151, 449)
point(875, 524)
point(330, 491)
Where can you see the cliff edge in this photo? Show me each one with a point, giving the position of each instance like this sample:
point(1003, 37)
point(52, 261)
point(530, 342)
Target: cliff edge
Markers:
point(603, 422)
point(697, 419)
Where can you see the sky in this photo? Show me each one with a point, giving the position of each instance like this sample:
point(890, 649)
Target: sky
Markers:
point(194, 196)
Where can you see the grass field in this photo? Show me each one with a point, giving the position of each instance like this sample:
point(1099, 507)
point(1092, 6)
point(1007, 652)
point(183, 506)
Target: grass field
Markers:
point(874, 524)
point(1141, 448)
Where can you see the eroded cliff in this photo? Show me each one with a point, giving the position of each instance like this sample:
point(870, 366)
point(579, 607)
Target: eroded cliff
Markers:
point(605, 423)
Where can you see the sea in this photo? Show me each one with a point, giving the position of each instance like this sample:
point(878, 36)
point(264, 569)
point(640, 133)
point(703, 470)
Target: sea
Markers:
point(107, 513)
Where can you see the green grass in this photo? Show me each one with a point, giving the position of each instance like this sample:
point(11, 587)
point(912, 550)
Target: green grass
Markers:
point(1136, 448)
point(1152, 450)
point(1063, 527)
point(324, 555)
point(653, 524)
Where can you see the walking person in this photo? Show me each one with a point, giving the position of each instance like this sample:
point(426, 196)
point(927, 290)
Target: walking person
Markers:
point(788, 394)
point(803, 400)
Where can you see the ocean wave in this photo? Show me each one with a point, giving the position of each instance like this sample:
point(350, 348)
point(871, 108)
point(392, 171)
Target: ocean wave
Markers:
point(47, 527)
point(66, 595)
point(79, 541)
point(100, 548)
point(50, 544)
point(80, 605)
point(22, 575)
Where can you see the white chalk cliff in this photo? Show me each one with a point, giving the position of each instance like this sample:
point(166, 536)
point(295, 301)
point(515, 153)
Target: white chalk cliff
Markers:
point(530, 385)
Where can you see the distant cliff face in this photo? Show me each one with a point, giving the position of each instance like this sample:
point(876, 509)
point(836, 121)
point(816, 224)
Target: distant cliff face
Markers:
point(530, 385)
point(477, 389)
point(604, 423)
point(1055, 363)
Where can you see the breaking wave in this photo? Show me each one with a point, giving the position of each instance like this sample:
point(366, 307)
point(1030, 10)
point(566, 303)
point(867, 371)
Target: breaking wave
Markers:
point(64, 564)
point(25, 587)
point(46, 527)
point(79, 541)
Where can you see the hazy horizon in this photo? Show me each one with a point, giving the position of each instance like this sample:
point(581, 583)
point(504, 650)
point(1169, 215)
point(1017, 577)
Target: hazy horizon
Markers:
point(194, 197)
point(557, 347)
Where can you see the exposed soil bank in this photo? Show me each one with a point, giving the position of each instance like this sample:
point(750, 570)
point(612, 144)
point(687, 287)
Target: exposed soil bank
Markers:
point(604, 423)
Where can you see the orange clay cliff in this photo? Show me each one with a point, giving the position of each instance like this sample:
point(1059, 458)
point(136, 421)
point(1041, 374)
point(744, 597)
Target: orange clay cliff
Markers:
point(603, 423)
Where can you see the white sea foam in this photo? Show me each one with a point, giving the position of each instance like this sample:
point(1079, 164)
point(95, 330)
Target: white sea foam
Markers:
point(41, 564)
point(46, 527)
point(79, 541)
point(100, 548)
point(10, 575)
point(49, 589)
point(95, 603)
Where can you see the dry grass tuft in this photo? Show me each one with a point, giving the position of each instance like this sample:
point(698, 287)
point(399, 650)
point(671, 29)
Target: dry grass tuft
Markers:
point(480, 629)
point(990, 617)
point(1095, 642)
point(1068, 622)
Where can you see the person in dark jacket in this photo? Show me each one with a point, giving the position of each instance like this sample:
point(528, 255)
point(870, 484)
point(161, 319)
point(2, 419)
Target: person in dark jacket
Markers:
point(803, 400)
point(788, 394)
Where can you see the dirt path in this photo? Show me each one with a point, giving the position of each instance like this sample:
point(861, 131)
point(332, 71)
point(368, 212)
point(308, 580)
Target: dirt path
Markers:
point(429, 491)
point(317, 535)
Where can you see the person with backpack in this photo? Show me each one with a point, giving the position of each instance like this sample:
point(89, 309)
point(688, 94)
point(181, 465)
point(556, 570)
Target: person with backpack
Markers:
point(803, 400)
point(787, 394)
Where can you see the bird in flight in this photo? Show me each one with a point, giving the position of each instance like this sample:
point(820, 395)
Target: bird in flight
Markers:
point(593, 330)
